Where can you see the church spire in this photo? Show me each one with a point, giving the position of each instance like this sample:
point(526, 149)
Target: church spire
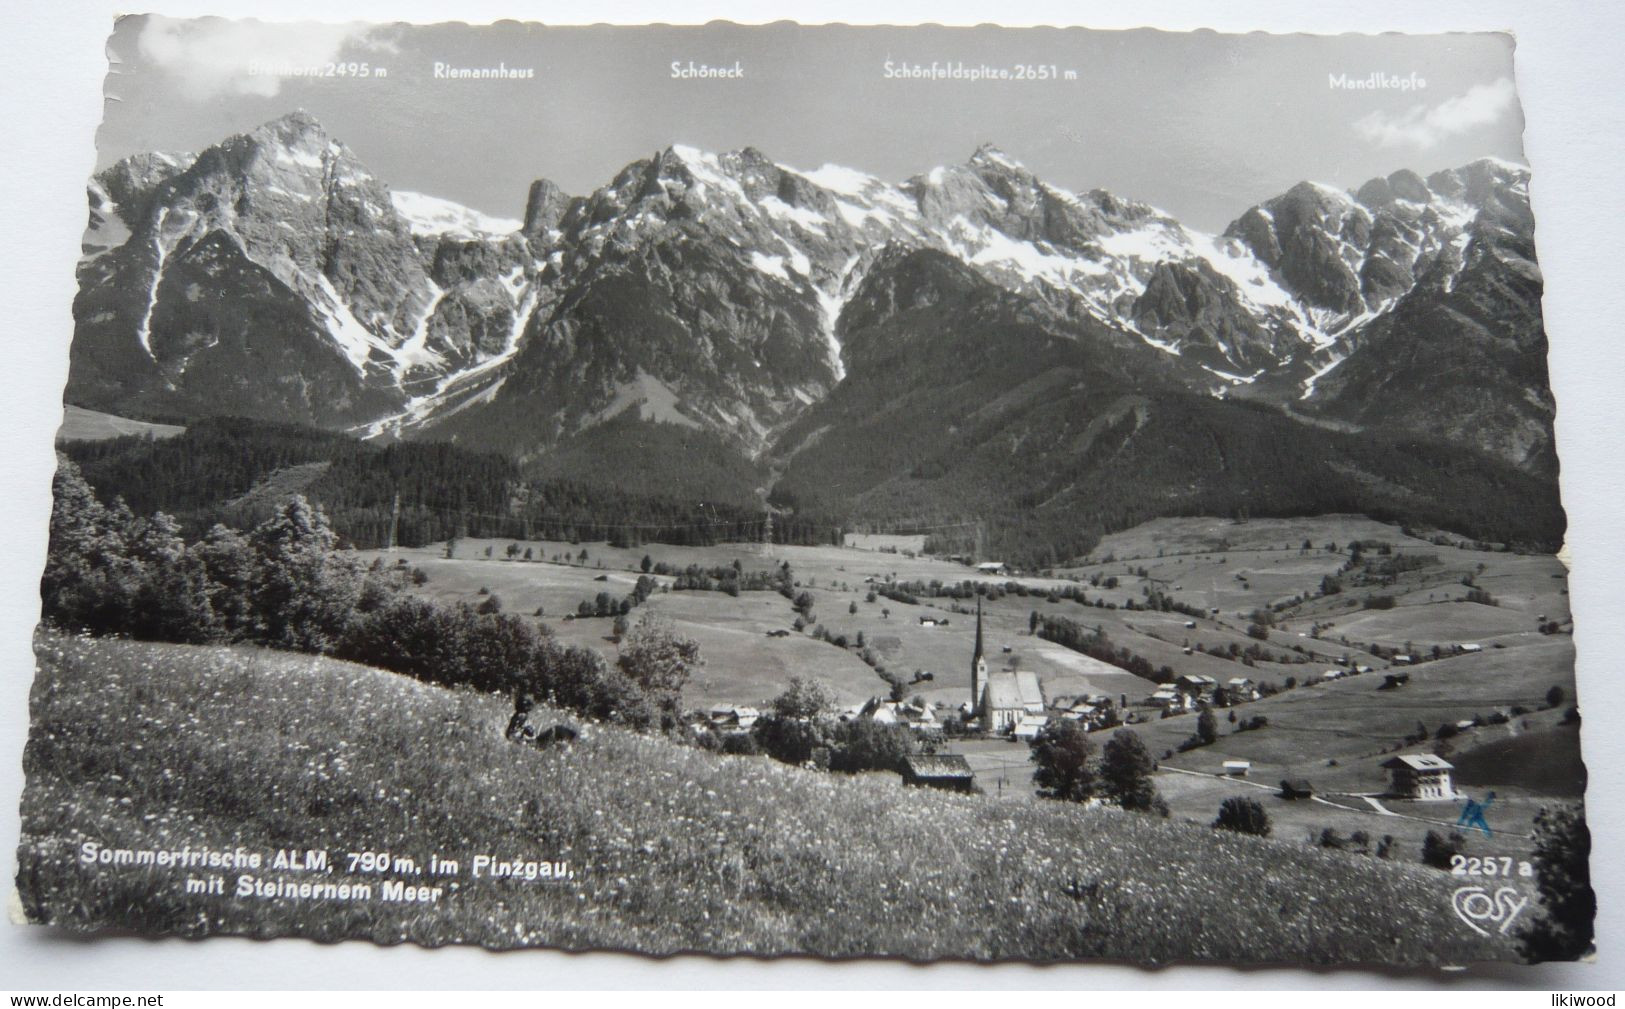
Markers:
point(978, 664)
point(977, 655)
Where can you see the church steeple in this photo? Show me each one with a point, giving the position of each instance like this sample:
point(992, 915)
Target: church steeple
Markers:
point(978, 664)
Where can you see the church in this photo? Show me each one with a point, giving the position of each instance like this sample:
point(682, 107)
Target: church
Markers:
point(1002, 699)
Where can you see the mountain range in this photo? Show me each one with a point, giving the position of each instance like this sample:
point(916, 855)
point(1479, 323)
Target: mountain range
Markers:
point(856, 343)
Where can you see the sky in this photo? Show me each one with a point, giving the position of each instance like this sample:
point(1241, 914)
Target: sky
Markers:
point(1200, 125)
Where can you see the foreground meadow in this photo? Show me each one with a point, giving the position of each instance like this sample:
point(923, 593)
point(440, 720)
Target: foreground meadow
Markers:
point(669, 848)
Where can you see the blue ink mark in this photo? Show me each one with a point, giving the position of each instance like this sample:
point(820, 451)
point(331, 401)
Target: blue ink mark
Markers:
point(1473, 815)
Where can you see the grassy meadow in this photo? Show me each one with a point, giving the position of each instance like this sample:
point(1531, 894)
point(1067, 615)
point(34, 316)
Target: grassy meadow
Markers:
point(671, 849)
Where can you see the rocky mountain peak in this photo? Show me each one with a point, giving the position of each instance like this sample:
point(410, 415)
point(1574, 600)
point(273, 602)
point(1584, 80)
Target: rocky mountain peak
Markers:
point(545, 207)
point(988, 155)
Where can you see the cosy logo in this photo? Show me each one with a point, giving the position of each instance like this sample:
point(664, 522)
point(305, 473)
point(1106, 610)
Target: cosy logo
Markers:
point(1475, 904)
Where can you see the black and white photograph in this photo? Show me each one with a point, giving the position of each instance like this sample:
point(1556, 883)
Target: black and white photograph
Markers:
point(924, 493)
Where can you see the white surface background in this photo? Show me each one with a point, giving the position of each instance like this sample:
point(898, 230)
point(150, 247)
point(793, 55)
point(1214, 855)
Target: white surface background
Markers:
point(1569, 76)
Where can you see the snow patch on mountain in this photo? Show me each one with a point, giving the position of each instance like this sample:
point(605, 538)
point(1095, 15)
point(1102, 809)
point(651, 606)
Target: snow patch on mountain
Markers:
point(433, 217)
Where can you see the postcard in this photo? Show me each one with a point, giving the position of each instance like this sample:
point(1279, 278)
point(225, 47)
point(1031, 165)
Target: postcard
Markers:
point(1036, 494)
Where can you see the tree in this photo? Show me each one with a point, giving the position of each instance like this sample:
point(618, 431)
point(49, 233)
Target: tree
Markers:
point(302, 592)
point(1125, 773)
point(1437, 851)
point(1207, 727)
point(647, 563)
point(1244, 816)
point(852, 607)
point(1032, 622)
point(491, 605)
point(1062, 750)
point(1554, 697)
point(659, 660)
point(803, 698)
point(1564, 928)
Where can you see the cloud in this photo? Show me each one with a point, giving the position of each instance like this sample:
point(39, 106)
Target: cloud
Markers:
point(1422, 126)
point(210, 57)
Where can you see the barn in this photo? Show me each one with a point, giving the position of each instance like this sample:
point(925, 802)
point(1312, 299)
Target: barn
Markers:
point(948, 771)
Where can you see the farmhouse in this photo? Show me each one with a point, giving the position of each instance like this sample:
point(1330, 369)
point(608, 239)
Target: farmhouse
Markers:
point(729, 718)
point(948, 771)
point(1197, 687)
point(1297, 788)
point(1242, 688)
point(1420, 776)
point(991, 567)
point(1169, 697)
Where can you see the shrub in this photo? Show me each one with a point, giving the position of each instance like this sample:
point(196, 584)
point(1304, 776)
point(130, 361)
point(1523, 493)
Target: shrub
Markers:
point(1244, 816)
point(864, 744)
point(1437, 850)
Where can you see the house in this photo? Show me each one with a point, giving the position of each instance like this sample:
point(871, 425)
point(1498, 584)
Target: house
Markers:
point(1297, 788)
point(1402, 660)
point(1393, 681)
point(917, 714)
point(1332, 674)
point(1242, 688)
point(1420, 776)
point(732, 718)
point(928, 621)
point(948, 771)
point(1164, 696)
point(991, 567)
point(1199, 687)
point(1237, 768)
point(1190, 625)
point(1028, 727)
point(1472, 648)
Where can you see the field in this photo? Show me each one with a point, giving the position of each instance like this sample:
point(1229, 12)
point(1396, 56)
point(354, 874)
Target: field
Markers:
point(668, 849)
point(1336, 734)
point(79, 424)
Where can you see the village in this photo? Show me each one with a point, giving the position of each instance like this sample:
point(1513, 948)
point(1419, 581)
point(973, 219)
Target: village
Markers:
point(1353, 712)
